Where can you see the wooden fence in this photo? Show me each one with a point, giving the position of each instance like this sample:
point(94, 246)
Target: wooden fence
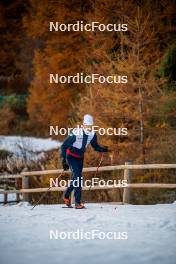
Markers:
point(127, 168)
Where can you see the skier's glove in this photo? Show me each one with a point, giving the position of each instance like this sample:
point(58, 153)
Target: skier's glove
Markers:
point(65, 165)
point(105, 149)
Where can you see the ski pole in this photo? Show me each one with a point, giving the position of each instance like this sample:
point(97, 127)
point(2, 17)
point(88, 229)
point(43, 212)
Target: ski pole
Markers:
point(43, 195)
point(99, 164)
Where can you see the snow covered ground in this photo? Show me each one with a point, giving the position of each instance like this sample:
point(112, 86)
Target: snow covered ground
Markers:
point(25, 234)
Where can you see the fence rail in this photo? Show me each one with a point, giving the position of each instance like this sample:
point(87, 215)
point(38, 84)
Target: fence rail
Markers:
point(92, 169)
point(127, 168)
point(131, 185)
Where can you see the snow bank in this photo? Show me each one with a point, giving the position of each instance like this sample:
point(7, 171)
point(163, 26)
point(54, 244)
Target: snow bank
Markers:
point(25, 238)
point(29, 147)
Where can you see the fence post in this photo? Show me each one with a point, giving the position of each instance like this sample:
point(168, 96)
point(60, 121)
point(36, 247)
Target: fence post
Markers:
point(127, 177)
point(25, 185)
point(17, 194)
point(5, 194)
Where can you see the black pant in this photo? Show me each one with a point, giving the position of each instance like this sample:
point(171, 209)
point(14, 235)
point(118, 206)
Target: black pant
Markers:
point(76, 166)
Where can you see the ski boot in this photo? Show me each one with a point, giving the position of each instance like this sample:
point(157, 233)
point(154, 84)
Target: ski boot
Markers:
point(80, 206)
point(67, 202)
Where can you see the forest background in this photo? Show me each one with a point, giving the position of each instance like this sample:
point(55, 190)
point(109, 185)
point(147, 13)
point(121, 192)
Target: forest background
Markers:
point(146, 53)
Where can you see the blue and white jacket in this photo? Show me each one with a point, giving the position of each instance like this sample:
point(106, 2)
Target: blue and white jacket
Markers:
point(76, 144)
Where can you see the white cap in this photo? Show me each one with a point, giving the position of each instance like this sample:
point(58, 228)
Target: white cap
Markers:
point(88, 120)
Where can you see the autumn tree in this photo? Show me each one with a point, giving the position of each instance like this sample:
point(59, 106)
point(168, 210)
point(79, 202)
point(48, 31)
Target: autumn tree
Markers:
point(15, 66)
point(57, 52)
point(135, 54)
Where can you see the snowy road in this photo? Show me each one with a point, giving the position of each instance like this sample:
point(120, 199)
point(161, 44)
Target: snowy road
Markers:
point(25, 234)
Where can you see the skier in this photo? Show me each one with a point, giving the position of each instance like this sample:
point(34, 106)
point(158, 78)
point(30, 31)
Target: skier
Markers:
point(72, 153)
